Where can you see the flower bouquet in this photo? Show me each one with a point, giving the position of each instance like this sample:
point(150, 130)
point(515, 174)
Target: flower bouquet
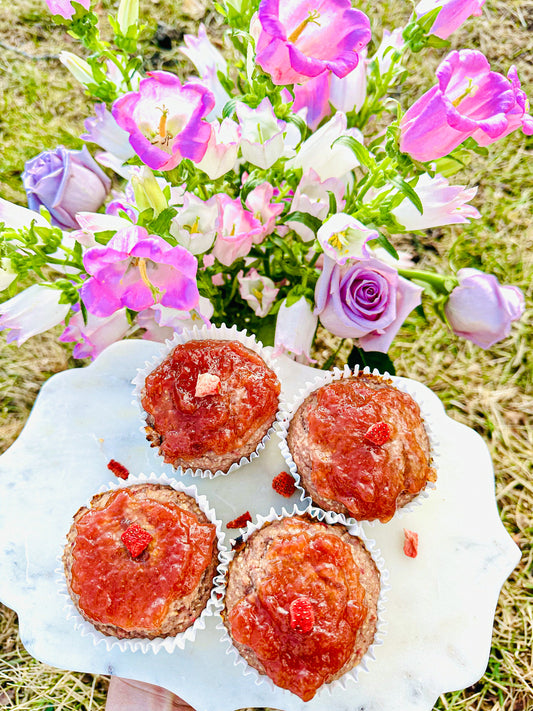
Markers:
point(269, 191)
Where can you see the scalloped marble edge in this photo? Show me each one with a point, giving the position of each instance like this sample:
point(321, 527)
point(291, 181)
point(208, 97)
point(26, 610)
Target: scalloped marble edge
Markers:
point(155, 645)
point(221, 333)
point(427, 410)
point(354, 529)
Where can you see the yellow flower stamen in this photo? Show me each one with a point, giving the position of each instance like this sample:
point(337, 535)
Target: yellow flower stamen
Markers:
point(470, 89)
point(142, 269)
point(335, 240)
point(312, 17)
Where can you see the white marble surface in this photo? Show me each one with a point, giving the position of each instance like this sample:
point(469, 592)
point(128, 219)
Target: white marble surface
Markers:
point(440, 607)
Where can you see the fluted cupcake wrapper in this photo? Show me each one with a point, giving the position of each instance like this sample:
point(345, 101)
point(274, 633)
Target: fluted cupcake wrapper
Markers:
point(354, 529)
point(427, 410)
point(219, 333)
point(214, 604)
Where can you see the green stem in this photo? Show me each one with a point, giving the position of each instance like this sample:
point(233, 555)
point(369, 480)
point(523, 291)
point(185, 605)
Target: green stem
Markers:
point(437, 281)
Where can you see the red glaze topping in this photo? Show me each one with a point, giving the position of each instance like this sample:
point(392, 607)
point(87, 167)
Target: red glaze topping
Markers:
point(284, 484)
point(304, 562)
point(366, 469)
point(240, 521)
point(132, 593)
point(247, 398)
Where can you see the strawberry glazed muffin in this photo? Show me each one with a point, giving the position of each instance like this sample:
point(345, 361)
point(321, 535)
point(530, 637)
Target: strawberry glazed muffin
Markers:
point(140, 561)
point(360, 447)
point(209, 403)
point(301, 602)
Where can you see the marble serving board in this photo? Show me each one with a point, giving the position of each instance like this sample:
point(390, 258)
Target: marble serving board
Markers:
point(440, 607)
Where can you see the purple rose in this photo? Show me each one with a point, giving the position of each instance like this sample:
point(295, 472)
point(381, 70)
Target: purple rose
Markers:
point(65, 182)
point(481, 310)
point(364, 299)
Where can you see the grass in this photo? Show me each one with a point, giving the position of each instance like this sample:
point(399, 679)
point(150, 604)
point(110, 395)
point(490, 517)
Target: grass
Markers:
point(490, 391)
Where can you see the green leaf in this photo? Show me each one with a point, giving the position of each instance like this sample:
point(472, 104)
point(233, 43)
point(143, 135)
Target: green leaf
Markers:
point(404, 187)
point(314, 223)
point(384, 242)
point(372, 359)
point(229, 108)
point(162, 223)
point(361, 152)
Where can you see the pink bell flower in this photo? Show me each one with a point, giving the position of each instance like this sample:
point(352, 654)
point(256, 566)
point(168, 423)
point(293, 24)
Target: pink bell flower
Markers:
point(165, 120)
point(259, 202)
point(222, 148)
point(64, 7)
point(312, 98)
point(32, 311)
point(97, 334)
point(481, 310)
point(442, 203)
point(195, 225)
point(364, 299)
point(258, 291)
point(342, 237)
point(312, 196)
point(103, 130)
point(451, 16)
point(300, 39)
point(295, 330)
point(136, 270)
point(237, 230)
point(469, 100)
point(349, 93)
point(261, 134)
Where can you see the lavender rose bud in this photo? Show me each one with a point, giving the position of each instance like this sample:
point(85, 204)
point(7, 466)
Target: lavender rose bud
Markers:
point(65, 182)
point(481, 310)
point(364, 299)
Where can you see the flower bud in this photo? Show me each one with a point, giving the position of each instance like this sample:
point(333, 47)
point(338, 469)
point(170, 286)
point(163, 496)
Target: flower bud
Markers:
point(148, 193)
point(77, 66)
point(127, 15)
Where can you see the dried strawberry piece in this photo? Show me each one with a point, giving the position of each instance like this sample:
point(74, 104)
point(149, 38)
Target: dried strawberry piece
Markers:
point(284, 484)
point(378, 433)
point(240, 521)
point(136, 539)
point(302, 617)
point(410, 544)
point(118, 469)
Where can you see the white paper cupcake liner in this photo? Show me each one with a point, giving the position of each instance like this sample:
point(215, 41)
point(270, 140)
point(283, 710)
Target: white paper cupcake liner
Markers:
point(428, 413)
point(355, 529)
point(214, 604)
point(219, 333)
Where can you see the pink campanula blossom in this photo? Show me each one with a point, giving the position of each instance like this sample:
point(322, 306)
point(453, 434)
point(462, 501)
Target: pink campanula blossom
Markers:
point(165, 120)
point(451, 16)
point(312, 99)
point(32, 311)
point(312, 196)
point(103, 130)
point(259, 202)
point(299, 39)
point(208, 61)
point(469, 100)
point(97, 334)
point(364, 299)
point(349, 93)
point(161, 322)
point(91, 223)
point(237, 230)
point(195, 225)
point(319, 153)
point(342, 237)
point(221, 153)
point(258, 291)
point(295, 329)
point(481, 310)
point(261, 134)
point(442, 203)
point(136, 270)
point(65, 182)
point(64, 7)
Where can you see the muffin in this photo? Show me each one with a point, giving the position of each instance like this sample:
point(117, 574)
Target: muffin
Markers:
point(209, 403)
point(301, 602)
point(360, 447)
point(140, 561)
